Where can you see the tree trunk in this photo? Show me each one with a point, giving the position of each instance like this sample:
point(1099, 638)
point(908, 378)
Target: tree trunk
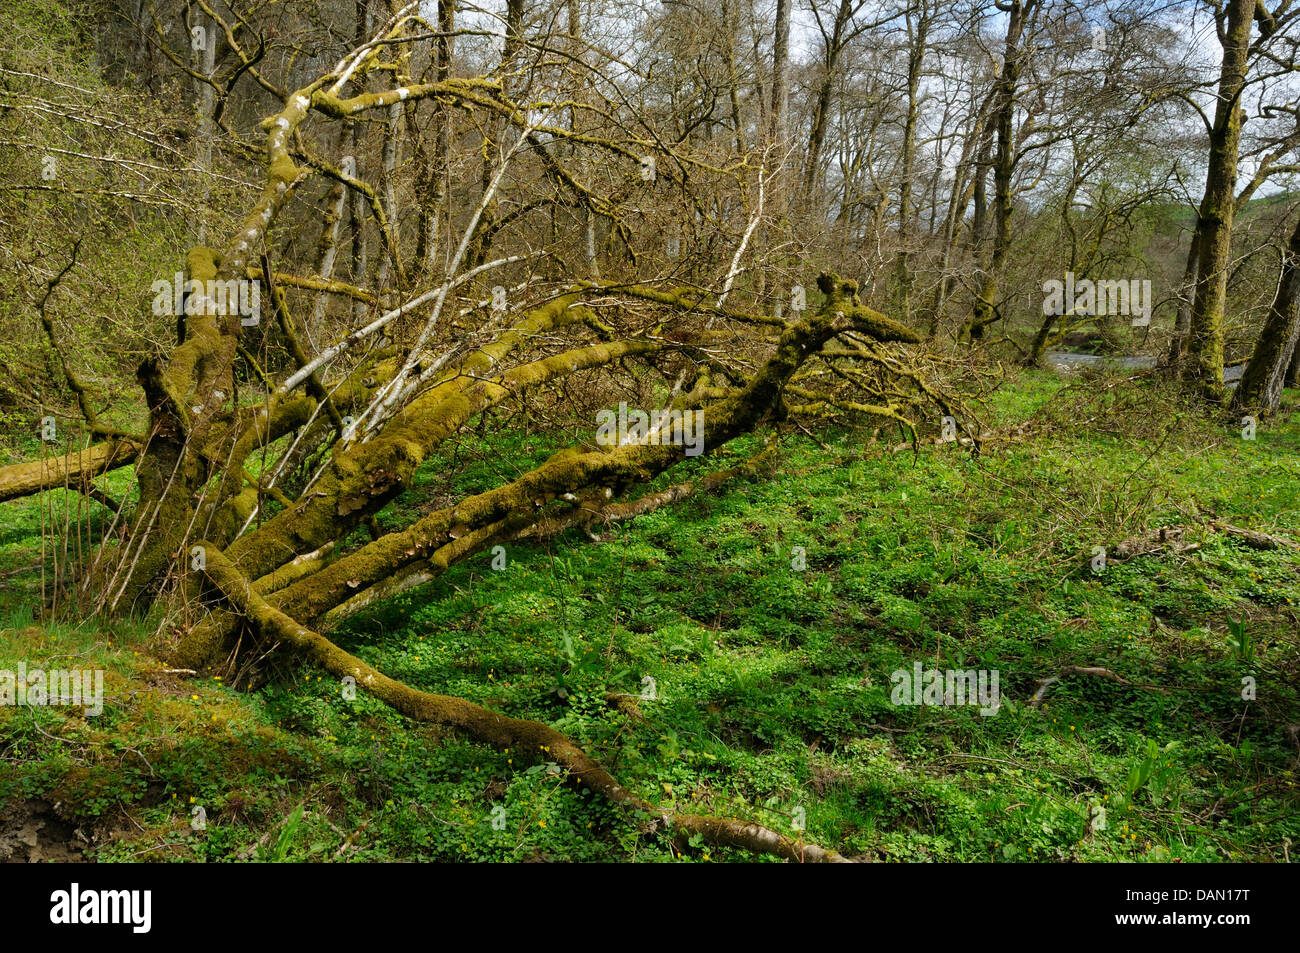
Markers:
point(733, 82)
point(431, 184)
point(357, 207)
point(1204, 370)
point(822, 107)
point(206, 61)
point(1183, 320)
point(1261, 385)
point(780, 71)
point(960, 195)
point(915, 59)
point(985, 311)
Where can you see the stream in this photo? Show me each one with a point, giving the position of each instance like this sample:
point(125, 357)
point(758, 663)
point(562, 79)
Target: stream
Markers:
point(1065, 362)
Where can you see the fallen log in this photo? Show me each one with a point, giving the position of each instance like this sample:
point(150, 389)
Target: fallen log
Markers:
point(24, 479)
point(1254, 539)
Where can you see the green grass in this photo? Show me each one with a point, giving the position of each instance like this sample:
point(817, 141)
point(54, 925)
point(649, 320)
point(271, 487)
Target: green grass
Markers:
point(772, 684)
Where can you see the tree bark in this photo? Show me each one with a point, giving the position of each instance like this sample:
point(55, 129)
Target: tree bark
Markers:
point(1183, 319)
point(918, 31)
point(1261, 384)
point(1204, 369)
point(985, 311)
point(825, 90)
point(432, 177)
point(780, 71)
point(24, 479)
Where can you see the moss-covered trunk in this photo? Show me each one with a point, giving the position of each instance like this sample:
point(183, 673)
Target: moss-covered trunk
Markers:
point(185, 395)
point(1204, 369)
point(1261, 385)
point(451, 533)
point(364, 478)
point(75, 468)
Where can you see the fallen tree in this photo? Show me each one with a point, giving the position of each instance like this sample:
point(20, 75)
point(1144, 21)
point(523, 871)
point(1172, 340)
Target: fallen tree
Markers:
point(452, 533)
point(265, 450)
point(272, 610)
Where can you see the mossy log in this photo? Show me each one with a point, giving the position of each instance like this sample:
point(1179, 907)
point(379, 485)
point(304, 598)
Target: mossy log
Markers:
point(75, 468)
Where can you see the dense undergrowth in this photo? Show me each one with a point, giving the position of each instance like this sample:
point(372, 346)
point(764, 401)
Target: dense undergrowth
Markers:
point(689, 653)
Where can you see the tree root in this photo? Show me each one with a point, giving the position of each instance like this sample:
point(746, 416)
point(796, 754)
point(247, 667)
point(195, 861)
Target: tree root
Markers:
point(529, 737)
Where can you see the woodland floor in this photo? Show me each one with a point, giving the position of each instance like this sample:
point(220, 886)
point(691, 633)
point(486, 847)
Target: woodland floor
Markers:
point(772, 684)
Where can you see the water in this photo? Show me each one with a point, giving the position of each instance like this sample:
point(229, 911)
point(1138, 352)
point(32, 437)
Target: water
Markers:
point(1066, 362)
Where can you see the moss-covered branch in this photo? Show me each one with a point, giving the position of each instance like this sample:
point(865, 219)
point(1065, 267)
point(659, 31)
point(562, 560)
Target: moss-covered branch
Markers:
point(501, 731)
point(24, 479)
